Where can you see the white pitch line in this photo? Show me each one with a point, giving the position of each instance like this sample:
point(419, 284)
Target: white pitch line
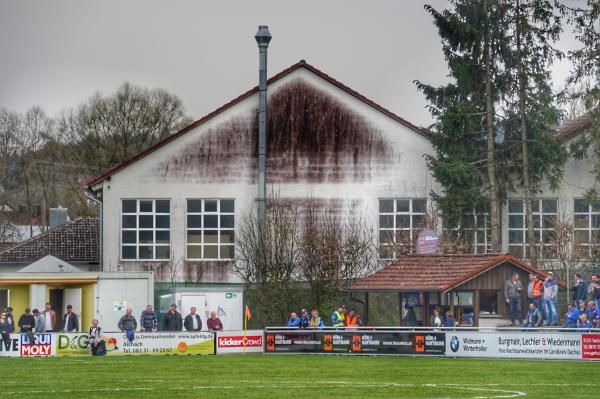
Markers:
point(496, 393)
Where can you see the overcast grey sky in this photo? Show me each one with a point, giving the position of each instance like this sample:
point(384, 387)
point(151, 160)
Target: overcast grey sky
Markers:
point(57, 53)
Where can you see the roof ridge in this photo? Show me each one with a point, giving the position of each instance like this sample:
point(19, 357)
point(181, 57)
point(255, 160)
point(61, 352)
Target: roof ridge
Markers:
point(300, 64)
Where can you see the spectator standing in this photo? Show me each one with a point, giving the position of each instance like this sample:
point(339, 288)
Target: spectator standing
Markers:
point(70, 322)
point(40, 321)
point(97, 343)
point(550, 295)
point(148, 320)
point(534, 316)
point(294, 321)
point(27, 324)
point(512, 294)
point(315, 320)
point(594, 290)
point(538, 292)
point(338, 318)
point(530, 286)
point(214, 323)
point(173, 320)
point(436, 320)
point(128, 324)
point(353, 319)
point(192, 321)
point(49, 317)
point(449, 321)
point(4, 328)
point(410, 317)
point(579, 289)
point(10, 319)
point(304, 319)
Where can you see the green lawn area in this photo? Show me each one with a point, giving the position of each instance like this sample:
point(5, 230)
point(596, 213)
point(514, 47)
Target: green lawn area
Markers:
point(294, 376)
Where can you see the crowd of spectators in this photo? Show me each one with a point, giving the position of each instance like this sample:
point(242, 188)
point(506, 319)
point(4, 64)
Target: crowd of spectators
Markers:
point(342, 317)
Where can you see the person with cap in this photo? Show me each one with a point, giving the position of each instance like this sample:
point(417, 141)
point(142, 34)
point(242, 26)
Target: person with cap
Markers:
point(128, 324)
point(40, 321)
point(294, 321)
point(338, 317)
point(305, 318)
point(173, 321)
point(70, 323)
point(550, 294)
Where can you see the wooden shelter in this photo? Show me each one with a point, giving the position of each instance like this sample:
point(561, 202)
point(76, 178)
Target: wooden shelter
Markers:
point(470, 286)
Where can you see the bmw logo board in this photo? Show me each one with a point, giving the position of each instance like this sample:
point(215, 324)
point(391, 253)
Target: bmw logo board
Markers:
point(454, 344)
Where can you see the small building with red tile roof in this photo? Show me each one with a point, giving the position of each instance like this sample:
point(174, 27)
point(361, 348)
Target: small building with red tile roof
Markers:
point(469, 285)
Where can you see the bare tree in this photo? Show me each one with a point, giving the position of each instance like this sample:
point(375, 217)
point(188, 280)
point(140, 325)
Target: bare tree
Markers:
point(336, 250)
point(107, 130)
point(267, 259)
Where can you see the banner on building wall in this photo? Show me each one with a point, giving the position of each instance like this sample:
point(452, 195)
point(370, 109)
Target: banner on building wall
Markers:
point(159, 343)
point(366, 342)
point(233, 341)
point(525, 345)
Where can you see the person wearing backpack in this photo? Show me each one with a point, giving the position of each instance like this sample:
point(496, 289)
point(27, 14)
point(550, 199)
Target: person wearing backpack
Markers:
point(594, 290)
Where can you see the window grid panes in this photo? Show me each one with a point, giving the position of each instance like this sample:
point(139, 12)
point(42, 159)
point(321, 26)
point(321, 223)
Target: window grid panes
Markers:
point(586, 225)
point(400, 221)
point(475, 229)
point(210, 229)
point(545, 212)
point(145, 229)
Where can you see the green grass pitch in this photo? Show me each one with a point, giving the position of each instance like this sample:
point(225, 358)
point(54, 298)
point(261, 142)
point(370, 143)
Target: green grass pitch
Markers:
point(294, 376)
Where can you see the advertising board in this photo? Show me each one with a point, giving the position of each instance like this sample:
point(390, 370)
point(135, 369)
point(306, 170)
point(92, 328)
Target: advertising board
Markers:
point(523, 345)
point(159, 343)
point(19, 346)
point(366, 342)
point(233, 341)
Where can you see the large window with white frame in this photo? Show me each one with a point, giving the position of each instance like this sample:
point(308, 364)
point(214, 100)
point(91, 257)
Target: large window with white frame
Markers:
point(210, 229)
point(545, 212)
point(145, 229)
point(474, 230)
point(400, 221)
point(586, 223)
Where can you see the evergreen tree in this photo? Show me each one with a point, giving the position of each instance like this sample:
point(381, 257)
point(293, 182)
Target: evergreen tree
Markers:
point(464, 134)
point(531, 114)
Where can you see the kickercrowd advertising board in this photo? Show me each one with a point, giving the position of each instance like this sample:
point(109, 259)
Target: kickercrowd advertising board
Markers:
point(365, 342)
point(159, 343)
point(233, 341)
point(525, 345)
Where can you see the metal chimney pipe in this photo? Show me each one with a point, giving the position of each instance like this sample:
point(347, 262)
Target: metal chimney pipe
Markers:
point(263, 37)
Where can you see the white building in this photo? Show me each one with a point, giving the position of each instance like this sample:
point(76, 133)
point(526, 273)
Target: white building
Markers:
point(178, 202)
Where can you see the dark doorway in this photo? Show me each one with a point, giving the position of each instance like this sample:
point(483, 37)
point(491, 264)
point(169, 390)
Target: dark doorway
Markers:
point(56, 301)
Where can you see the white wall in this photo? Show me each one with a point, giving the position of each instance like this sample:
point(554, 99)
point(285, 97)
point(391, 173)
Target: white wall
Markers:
point(404, 175)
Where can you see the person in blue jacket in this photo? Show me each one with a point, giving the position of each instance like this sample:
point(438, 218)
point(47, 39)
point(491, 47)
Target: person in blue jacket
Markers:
point(584, 322)
point(294, 321)
point(572, 316)
point(449, 322)
point(304, 319)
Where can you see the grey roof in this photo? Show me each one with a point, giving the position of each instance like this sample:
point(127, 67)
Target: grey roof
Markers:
point(75, 241)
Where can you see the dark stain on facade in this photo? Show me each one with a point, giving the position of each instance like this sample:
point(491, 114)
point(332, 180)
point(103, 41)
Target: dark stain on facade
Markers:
point(312, 137)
